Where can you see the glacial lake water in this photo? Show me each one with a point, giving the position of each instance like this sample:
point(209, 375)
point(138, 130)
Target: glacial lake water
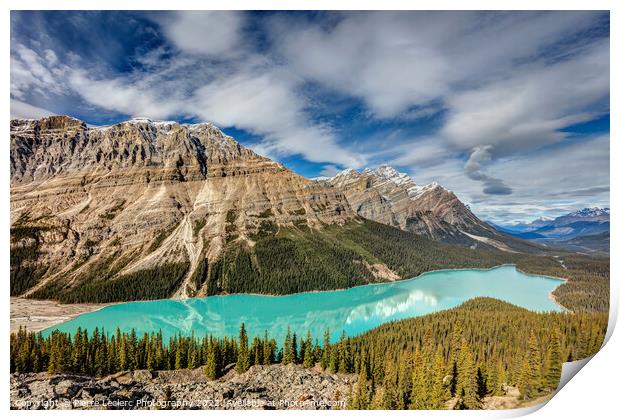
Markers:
point(354, 310)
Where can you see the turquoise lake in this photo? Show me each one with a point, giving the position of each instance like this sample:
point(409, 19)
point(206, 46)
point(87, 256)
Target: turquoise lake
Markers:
point(354, 310)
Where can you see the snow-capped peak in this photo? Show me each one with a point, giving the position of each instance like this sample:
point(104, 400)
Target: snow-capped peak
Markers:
point(345, 173)
point(390, 174)
point(590, 212)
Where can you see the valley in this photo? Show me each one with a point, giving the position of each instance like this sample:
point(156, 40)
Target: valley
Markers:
point(97, 211)
point(198, 235)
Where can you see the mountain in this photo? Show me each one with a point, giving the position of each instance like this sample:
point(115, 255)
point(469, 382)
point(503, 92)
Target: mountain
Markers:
point(153, 209)
point(585, 230)
point(393, 198)
point(587, 221)
point(139, 194)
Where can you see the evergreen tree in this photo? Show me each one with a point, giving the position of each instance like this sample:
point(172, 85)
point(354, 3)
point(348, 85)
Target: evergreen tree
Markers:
point(467, 379)
point(257, 351)
point(288, 355)
point(530, 377)
point(308, 356)
point(295, 355)
point(326, 350)
point(391, 386)
point(268, 357)
point(403, 389)
point(243, 358)
point(438, 393)
point(212, 365)
point(553, 361)
point(361, 397)
point(420, 383)
point(456, 340)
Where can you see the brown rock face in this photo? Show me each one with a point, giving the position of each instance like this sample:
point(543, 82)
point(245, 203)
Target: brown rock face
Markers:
point(393, 198)
point(143, 193)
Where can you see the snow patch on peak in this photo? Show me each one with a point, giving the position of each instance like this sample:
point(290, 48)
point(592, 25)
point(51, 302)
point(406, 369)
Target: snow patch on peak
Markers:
point(418, 190)
point(390, 174)
point(345, 172)
point(590, 212)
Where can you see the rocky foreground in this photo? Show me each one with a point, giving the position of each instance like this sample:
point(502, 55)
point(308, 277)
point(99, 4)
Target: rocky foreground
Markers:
point(261, 387)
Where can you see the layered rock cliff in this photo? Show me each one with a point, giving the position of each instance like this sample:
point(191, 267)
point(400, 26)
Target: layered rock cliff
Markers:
point(142, 193)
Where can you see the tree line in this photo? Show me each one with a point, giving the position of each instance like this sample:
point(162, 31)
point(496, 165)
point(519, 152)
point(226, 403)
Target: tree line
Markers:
point(460, 355)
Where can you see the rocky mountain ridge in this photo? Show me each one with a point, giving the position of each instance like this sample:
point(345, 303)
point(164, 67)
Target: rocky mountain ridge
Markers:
point(393, 198)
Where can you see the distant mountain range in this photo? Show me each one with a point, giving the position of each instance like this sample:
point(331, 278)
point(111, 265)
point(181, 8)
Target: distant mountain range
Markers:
point(586, 230)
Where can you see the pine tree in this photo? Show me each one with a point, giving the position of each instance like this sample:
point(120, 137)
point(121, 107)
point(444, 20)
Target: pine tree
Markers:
point(439, 393)
point(257, 351)
point(57, 354)
point(553, 361)
point(482, 380)
point(122, 353)
point(212, 368)
point(361, 396)
point(267, 351)
point(334, 358)
point(378, 400)
point(530, 377)
point(295, 355)
point(403, 389)
point(456, 340)
point(345, 362)
point(420, 384)
point(76, 354)
point(308, 356)
point(326, 350)
point(243, 358)
point(390, 385)
point(100, 361)
point(467, 379)
point(288, 355)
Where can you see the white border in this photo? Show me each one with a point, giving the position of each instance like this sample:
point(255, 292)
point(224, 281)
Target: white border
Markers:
point(592, 395)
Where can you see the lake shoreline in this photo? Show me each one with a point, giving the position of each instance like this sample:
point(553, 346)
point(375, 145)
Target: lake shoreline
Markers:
point(37, 315)
point(49, 313)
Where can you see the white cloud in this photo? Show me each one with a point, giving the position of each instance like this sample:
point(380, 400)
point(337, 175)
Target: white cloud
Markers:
point(552, 181)
point(32, 72)
point(124, 96)
point(265, 103)
point(214, 33)
point(256, 96)
point(526, 109)
point(330, 170)
point(21, 109)
point(395, 60)
point(420, 152)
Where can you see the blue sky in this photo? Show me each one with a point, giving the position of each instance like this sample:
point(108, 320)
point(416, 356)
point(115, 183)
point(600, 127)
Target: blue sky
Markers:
point(510, 110)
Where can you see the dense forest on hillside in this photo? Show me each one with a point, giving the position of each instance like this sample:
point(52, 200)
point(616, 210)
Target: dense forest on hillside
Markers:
point(298, 259)
point(339, 257)
point(25, 272)
point(459, 355)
